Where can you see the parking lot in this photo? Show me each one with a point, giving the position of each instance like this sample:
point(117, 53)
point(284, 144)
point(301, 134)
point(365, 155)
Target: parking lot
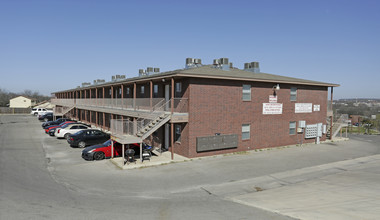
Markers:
point(43, 177)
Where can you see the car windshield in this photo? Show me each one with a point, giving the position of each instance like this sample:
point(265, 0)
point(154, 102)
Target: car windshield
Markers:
point(107, 143)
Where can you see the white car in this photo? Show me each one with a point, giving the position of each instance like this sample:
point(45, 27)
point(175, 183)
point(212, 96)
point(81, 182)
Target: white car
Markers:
point(68, 129)
point(39, 111)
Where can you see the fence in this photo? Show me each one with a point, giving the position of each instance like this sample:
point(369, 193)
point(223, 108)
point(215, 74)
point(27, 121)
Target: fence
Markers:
point(7, 110)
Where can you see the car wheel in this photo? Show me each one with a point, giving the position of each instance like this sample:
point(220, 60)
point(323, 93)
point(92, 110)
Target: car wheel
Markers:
point(99, 156)
point(35, 114)
point(46, 119)
point(81, 144)
point(67, 136)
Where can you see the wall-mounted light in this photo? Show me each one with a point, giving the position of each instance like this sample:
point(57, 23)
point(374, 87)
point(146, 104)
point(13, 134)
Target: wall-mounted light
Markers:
point(276, 88)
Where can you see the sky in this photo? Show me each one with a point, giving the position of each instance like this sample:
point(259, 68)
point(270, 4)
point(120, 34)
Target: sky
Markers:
point(54, 45)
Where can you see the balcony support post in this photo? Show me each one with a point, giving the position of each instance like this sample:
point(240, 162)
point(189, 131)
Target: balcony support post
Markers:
point(172, 125)
point(332, 115)
point(151, 94)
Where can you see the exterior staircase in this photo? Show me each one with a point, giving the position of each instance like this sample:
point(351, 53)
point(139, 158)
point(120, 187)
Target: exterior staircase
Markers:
point(152, 126)
point(62, 110)
point(339, 124)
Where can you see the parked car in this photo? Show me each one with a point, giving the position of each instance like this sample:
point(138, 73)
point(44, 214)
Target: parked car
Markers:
point(87, 137)
point(68, 129)
point(36, 111)
point(46, 117)
point(103, 151)
point(56, 122)
point(48, 128)
point(53, 130)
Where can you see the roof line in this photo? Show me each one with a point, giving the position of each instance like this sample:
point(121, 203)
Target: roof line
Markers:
point(258, 80)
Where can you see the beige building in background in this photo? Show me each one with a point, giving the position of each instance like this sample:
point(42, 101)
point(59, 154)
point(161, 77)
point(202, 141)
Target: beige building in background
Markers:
point(20, 102)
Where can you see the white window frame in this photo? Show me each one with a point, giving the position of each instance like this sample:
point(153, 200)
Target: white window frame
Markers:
point(246, 131)
point(293, 94)
point(292, 127)
point(246, 88)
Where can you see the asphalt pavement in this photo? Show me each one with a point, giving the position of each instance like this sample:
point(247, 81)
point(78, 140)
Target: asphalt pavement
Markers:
point(44, 178)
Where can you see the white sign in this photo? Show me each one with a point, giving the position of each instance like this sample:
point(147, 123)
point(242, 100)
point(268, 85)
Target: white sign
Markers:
point(272, 108)
point(303, 107)
point(272, 99)
point(317, 108)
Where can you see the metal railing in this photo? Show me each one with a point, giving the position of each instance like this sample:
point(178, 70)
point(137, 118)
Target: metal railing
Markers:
point(63, 102)
point(329, 106)
point(143, 104)
point(128, 127)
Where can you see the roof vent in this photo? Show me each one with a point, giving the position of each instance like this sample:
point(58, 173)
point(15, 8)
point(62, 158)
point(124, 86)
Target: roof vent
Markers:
point(252, 67)
point(149, 71)
point(118, 77)
point(191, 63)
point(99, 81)
point(222, 63)
point(85, 84)
point(142, 72)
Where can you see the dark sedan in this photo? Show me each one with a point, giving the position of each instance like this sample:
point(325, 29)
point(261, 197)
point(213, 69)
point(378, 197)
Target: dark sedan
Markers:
point(46, 117)
point(87, 137)
point(56, 122)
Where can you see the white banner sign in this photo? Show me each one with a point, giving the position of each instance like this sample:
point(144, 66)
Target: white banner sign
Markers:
point(272, 99)
point(317, 108)
point(304, 107)
point(272, 108)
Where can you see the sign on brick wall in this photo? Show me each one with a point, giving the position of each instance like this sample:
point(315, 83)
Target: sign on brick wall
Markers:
point(272, 99)
point(272, 108)
point(303, 107)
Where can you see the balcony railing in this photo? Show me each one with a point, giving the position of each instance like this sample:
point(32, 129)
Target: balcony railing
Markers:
point(143, 104)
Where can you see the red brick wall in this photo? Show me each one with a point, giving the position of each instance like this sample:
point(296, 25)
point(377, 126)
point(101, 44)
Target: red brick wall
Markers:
point(216, 106)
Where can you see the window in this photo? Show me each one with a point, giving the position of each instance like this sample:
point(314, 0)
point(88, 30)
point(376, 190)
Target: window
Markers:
point(128, 90)
point(293, 94)
point(155, 91)
point(292, 127)
point(178, 130)
point(142, 89)
point(245, 131)
point(246, 92)
point(178, 87)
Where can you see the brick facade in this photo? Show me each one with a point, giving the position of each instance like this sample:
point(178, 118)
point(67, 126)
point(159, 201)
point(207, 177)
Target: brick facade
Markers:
point(216, 106)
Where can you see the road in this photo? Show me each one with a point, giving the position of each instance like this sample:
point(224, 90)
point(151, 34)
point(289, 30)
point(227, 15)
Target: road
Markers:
point(43, 178)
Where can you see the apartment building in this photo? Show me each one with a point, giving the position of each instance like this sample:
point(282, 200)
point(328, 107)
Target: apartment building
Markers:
point(204, 110)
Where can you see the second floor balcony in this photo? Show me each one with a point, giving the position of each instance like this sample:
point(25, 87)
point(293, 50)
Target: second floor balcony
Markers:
point(139, 107)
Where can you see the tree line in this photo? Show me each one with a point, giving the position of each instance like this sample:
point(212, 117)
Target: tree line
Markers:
point(5, 96)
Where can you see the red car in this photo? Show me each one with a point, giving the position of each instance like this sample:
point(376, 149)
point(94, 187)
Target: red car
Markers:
point(101, 151)
point(47, 129)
